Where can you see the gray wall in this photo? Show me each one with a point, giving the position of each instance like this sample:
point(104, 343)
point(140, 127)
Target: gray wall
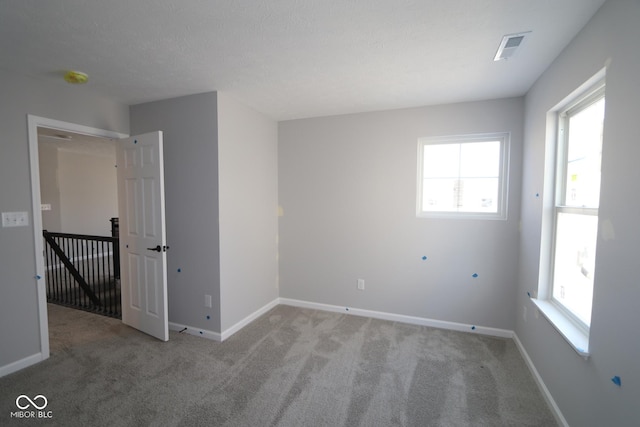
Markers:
point(583, 388)
point(248, 173)
point(19, 324)
point(190, 131)
point(347, 186)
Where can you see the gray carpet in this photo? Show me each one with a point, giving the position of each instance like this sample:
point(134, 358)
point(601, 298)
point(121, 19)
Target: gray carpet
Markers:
point(290, 367)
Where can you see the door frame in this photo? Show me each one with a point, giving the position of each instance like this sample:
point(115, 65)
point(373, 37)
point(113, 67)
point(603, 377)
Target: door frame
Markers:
point(33, 123)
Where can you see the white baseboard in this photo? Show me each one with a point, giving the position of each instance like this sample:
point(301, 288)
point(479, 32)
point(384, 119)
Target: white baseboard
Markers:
point(555, 410)
point(21, 364)
point(250, 318)
point(483, 330)
point(192, 330)
point(217, 336)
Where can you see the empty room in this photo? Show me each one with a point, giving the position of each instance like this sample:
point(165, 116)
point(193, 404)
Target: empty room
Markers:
point(323, 213)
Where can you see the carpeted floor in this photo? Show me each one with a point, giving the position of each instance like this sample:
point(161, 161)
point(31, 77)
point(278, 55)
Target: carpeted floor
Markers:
point(290, 367)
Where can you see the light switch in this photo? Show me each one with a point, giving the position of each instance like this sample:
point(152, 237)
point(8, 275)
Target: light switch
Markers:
point(15, 219)
point(45, 207)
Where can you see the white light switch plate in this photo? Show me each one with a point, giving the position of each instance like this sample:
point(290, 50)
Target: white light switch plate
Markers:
point(15, 219)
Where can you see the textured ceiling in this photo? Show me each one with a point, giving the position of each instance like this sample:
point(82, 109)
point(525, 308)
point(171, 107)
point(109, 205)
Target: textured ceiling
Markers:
point(291, 58)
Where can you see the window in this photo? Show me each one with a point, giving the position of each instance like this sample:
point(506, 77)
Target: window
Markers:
point(577, 195)
point(463, 176)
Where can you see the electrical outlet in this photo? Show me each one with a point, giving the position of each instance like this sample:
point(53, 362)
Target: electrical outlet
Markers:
point(361, 284)
point(207, 301)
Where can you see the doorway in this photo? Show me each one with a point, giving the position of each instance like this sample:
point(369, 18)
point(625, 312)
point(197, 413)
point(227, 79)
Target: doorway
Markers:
point(142, 236)
point(79, 194)
point(34, 123)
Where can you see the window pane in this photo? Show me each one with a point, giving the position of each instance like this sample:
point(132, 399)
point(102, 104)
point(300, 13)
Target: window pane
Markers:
point(462, 176)
point(584, 156)
point(480, 159)
point(574, 264)
point(439, 195)
point(441, 161)
point(478, 195)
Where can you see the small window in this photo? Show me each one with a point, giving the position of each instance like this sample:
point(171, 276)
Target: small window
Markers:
point(463, 176)
point(577, 199)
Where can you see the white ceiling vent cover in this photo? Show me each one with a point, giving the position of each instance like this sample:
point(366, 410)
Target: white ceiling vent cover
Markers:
point(509, 44)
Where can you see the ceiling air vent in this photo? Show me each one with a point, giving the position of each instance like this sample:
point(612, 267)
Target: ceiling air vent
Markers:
point(510, 43)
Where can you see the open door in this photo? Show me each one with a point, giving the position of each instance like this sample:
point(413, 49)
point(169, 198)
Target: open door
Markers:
point(143, 243)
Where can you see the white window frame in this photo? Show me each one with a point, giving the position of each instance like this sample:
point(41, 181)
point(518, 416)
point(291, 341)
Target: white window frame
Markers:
point(570, 327)
point(585, 100)
point(503, 179)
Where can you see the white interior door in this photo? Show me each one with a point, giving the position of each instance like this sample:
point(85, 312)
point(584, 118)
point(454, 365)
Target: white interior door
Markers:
point(142, 234)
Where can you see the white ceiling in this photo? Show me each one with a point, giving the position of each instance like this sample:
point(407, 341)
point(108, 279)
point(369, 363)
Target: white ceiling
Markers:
point(291, 58)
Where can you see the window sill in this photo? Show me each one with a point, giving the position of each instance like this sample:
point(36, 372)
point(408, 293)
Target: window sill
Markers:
point(575, 336)
point(462, 215)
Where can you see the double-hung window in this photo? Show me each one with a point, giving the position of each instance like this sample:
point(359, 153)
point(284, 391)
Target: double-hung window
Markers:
point(463, 176)
point(577, 195)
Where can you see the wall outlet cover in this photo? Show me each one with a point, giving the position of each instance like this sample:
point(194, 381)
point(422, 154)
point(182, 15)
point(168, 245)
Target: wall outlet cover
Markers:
point(15, 219)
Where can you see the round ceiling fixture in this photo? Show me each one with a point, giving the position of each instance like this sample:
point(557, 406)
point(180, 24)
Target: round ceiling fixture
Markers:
point(76, 77)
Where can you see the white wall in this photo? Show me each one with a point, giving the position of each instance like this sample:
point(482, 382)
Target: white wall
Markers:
point(347, 186)
point(190, 131)
point(81, 188)
point(49, 188)
point(248, 174)
point(583, 388)
point(88, 192)
point(55, 99)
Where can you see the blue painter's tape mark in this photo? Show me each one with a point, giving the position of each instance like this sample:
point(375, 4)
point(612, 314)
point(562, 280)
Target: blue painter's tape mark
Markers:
point(473, 328)
point(475, 275)
point(347, 308)
point(201, 333)
point(135, 141)
point(424, 258)
point(179, 270)
point(617, 381)
point(537, 194)
point(208, 317)
point(529, 294)
point(38, 277)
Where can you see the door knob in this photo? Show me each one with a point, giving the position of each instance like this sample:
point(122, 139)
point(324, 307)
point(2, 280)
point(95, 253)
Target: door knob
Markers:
point(159, 248)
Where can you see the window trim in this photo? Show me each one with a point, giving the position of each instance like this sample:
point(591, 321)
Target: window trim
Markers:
point(503, 178)
point(583, 100)
point(576, 335)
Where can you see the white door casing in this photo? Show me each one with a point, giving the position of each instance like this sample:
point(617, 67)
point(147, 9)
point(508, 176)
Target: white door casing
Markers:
point(142, 234)
point(34, 122)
